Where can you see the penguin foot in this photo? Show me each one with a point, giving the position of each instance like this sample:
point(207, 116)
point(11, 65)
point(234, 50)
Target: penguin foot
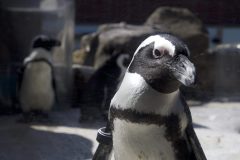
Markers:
point(34, 116)
point(27, 117)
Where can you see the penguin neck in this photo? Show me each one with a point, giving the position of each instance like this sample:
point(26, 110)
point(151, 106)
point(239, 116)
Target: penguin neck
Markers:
point(38, 53)
point(134, 93)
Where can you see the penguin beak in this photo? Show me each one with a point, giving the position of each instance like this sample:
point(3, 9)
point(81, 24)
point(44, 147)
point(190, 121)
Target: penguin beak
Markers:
point(183, 70)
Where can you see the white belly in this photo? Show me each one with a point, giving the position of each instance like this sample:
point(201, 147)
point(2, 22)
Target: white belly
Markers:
point(132, 141)
point(144, 141)
point(36, 89)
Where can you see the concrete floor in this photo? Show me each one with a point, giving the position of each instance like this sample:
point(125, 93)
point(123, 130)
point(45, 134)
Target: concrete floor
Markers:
point(217, 126)
point(61, 139)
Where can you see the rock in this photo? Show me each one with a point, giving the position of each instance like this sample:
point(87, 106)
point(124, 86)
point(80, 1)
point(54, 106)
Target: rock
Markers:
point(113, 39)
point(124, 38)
point(101, 87)
point(218, 132)
point(89, 45)
point(81, 75)
point(78, 56)
point(218, 70)
point(182, 23)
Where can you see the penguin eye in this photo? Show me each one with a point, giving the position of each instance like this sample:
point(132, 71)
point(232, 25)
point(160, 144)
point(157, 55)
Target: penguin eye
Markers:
point(159, 53)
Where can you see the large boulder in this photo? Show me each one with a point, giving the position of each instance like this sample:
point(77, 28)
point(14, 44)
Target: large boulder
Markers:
point(182, 23)
point(113, 39)
point(124, 38)
point(101, 87)
point(80, 76)
point(89, 44)
point(219, 71)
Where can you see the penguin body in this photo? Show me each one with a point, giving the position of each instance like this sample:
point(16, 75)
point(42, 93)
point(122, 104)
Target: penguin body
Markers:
point(37, 92)
point(37, 82)
point(149, 118)
point(144, 126)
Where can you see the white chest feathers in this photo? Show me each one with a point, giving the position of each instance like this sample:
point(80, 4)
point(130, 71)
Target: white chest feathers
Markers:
point(134, 141)
point(145, 138)
point(36, 89)
point(135, 93)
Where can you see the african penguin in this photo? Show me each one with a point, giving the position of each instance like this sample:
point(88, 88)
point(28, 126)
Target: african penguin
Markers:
point(148, 117)
point(102, 86)
point(37, 81)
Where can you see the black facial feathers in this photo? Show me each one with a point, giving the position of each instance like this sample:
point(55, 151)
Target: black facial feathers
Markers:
point(45, 42)
point(162, 69)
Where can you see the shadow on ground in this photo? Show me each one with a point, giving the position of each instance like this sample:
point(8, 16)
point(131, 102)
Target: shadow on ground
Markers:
point(26, 143)
point(61, 138)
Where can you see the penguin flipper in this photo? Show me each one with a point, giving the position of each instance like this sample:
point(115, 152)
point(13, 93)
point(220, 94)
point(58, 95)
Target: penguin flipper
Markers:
point(20, 73)
point(54, 84)
point(20, 76)
point(105, 148)
point(196, 149)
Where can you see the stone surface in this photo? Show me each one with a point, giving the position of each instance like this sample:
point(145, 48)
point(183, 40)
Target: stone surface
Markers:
point(102, 85)
point(78, 56)
point(182, 23)
point(81, 75)
point(113, 39)
point(89, 44)
point(218, 70)
point(63, 138)
point(124, 38)
point(216, 124)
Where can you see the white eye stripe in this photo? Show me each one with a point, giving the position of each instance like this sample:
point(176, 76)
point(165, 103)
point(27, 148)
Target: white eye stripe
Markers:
point(159, 42)
point(159, 52)
point(162, 43)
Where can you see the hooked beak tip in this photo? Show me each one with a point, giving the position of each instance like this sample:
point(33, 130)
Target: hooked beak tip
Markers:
point(185, 71)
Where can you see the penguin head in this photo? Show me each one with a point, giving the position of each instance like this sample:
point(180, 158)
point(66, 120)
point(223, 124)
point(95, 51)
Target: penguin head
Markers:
point(45, 42)
point(163, 61)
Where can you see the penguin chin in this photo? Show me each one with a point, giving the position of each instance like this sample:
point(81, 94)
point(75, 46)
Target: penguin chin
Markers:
point(166, 87)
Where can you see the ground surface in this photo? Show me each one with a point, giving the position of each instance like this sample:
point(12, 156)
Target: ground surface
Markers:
point(217, 126)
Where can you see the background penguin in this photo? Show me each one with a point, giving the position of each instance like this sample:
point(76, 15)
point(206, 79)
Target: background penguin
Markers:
point(37, 83)
point(148, 117)
point(102, 86)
